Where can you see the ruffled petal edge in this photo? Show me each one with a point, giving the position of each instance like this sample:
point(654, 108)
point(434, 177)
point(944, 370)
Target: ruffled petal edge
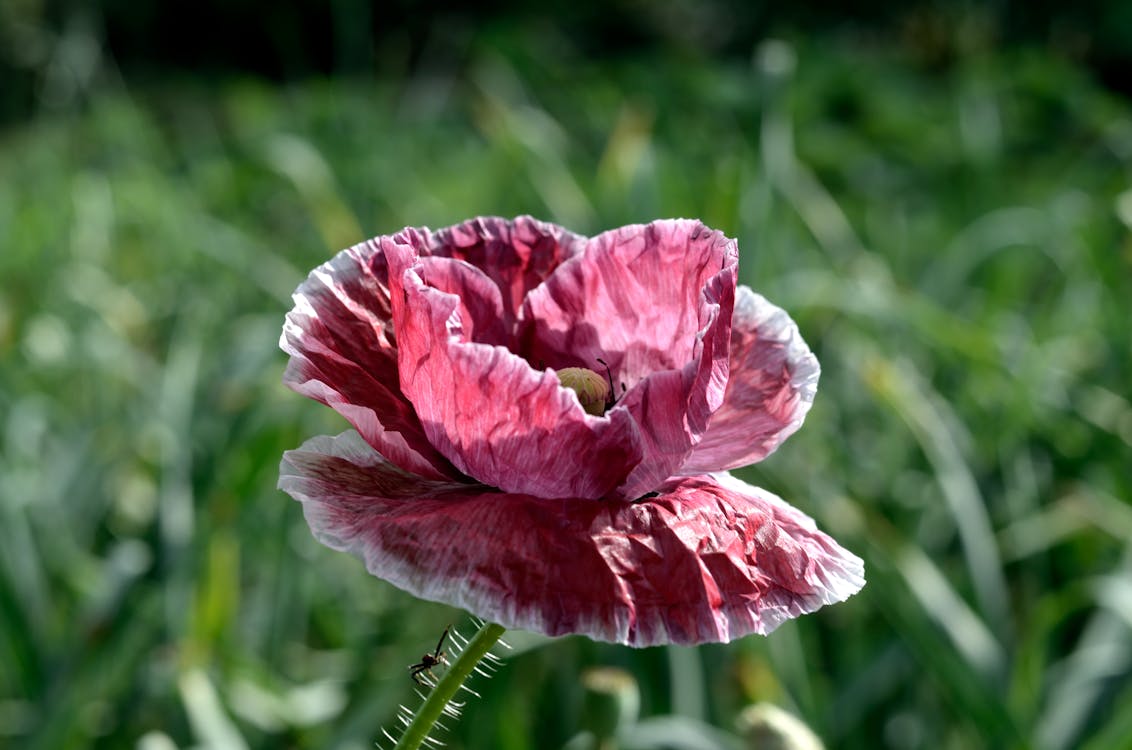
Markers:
point(771, 386)
point(338, 336)
point(710, 559)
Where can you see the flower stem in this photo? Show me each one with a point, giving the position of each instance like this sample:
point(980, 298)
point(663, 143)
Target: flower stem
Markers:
point(445, 690)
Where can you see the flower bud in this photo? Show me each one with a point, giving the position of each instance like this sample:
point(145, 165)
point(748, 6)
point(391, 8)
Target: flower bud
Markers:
point(592, 388)
point(767, 727)
point(612, 702)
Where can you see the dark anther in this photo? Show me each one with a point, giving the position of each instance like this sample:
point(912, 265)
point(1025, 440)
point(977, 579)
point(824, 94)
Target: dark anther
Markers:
point(611, 399)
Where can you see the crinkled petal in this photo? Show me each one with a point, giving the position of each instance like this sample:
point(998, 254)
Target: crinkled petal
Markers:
point(487, 410)
point(339, 336)
point(707, 560)
point(478, 313)
point(517, 255)
point(654, 301)
point(771, 387)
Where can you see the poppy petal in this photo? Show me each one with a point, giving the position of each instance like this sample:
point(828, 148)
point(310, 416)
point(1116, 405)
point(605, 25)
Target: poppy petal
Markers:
point(487, 410)
point(517, 255)
point(709, 559)
point(654, 301)
point(772, 382)
point(340, 338)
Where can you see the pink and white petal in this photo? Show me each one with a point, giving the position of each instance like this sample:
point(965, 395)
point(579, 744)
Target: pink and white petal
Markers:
point(479, 309)
point(673, 408)
point(634, 295)
point(806, 568)
point(496, 418)
point(706, 561)
point(771, 387)
point(339, 336)
point(517, 255)
point(711, 559)
point(654, 301)
point(521, 561)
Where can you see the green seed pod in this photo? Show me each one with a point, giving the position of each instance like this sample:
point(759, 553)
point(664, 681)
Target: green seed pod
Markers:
point(592, 388)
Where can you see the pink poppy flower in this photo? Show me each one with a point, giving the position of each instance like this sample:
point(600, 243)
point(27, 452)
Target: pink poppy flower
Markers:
point(474, 476)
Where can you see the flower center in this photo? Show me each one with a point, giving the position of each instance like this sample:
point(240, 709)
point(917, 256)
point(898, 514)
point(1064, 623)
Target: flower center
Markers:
point(592, 389)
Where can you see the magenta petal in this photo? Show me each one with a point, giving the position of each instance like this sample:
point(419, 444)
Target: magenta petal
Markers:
point(516, 255)
point(490, 413)
point(654, 301)
point(708, 560)
point(771, 387)
point(339, 336)
point(478, 315)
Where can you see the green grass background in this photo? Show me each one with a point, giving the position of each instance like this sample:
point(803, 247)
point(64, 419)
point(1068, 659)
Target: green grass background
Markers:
point(952, 239)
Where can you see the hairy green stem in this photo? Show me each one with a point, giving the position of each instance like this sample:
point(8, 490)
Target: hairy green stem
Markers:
point(425, 717)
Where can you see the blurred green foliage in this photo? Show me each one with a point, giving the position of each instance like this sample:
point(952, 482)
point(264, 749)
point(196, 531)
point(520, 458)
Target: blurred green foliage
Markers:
point(954, 243)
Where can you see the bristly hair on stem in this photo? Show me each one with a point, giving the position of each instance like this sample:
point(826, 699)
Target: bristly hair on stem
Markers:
point(470, 655)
